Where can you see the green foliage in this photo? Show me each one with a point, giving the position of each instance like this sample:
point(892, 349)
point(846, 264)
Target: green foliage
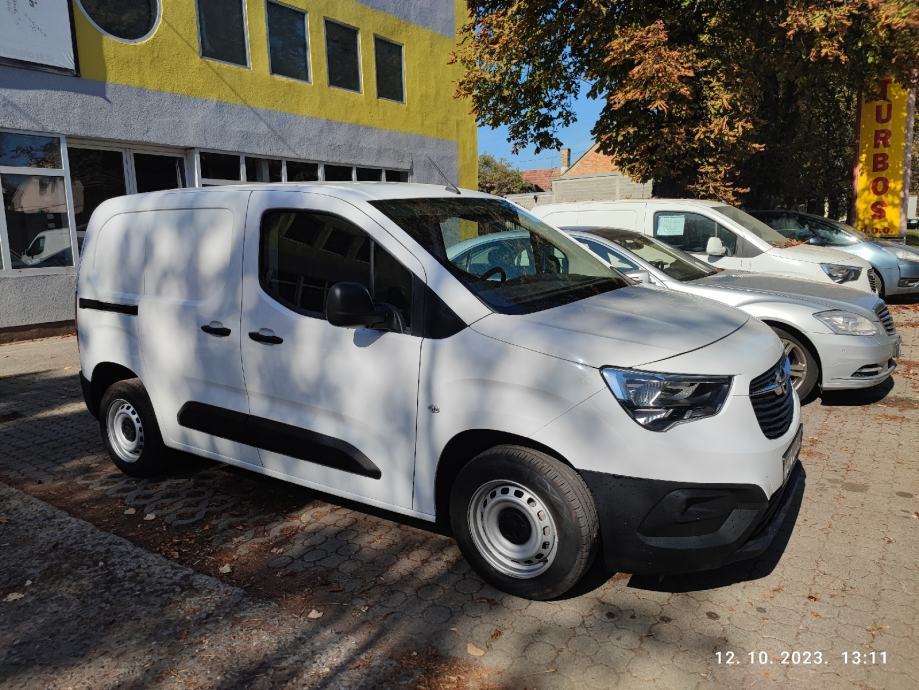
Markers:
point(746, 101)
point(500, 177)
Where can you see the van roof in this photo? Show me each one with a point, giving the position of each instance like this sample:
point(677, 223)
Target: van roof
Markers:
point(600, 205)
point(353, 191)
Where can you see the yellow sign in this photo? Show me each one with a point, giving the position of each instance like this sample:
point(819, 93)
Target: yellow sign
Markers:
point(880, 200)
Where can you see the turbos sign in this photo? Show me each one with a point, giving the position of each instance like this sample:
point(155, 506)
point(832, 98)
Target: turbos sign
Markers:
point(37, 32)
point(883, 164)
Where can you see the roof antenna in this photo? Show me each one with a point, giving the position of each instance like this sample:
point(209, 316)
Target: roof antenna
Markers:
point(450, 186)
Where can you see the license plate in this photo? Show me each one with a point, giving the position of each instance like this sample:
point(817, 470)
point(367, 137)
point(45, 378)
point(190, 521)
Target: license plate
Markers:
point(791, 454)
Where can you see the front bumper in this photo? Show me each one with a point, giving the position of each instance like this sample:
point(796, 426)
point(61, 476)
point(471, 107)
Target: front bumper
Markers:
point(655, 527)
point(908, 280)
point(850, 361)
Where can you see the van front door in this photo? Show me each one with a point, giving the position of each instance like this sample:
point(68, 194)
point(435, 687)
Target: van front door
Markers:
point(331, 408)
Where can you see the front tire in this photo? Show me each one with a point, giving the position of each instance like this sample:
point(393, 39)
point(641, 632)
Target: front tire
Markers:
point(130, 432)
point(805, 369)
point(525, 521)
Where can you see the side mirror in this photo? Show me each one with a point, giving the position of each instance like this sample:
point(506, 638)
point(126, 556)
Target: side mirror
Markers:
point(715, 247)
point(817, 241)
point(641, 275)
point(349, 305)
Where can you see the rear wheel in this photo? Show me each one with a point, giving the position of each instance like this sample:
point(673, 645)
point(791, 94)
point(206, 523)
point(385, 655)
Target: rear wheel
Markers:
point(805, 370)
point(525, 521)
point(130, 432)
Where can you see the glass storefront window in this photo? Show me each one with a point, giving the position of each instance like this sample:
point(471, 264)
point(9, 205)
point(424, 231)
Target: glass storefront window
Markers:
point(302, 172)
point(30, 151)
point(95, 175)
point(263, 170)
point(219, 166)
point(35, 209)
point(338, 173)
point(154, 172)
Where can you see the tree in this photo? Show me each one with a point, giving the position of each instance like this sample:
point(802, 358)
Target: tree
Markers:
point(500, 177)
point(745, 101)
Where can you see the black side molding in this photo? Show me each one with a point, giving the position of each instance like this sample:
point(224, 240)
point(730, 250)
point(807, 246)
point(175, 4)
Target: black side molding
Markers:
point(277, 437)
point(130, 309)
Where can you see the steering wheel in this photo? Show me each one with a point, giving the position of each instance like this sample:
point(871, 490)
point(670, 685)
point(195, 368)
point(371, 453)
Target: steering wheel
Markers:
point(658, 265)
point(494, 270)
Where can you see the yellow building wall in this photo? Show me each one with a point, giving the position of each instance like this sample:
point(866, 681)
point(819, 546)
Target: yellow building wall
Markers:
point(170, 61)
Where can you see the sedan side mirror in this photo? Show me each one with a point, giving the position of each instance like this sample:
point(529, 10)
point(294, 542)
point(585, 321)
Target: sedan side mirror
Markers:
point(349, 305)
point(715, 247)
point(817, 241)
point(641, 275)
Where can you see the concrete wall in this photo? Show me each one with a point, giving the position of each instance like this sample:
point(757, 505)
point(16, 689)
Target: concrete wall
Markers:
point(608, 187)
point(49, 299)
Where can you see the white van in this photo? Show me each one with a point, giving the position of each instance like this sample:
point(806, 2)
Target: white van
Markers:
point(544, 405)
point(720, 234)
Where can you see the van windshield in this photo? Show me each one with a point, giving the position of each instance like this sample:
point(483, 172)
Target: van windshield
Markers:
point(754, 225)
point(509, 259)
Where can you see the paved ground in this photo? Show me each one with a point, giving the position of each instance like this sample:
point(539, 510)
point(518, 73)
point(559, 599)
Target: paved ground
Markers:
point(219, 578)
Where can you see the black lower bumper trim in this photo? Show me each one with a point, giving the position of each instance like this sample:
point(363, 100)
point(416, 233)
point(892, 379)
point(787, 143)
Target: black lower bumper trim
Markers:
point(87, 390)
point(654, 527)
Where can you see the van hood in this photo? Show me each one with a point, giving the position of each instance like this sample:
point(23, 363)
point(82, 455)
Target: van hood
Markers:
point(811, 254)
point(627, 327)
point(765, 287)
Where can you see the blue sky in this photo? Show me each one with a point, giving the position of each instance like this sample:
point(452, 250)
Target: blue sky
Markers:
point(576, 137)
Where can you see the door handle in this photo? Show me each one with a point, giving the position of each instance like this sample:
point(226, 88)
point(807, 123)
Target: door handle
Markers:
point(216, 328)
point(266, 335)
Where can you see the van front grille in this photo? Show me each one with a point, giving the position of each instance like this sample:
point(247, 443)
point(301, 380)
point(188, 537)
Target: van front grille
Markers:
point(886, 319)
point(773, 398)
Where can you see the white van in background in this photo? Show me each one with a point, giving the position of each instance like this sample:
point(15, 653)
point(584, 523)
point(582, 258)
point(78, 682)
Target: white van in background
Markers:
point(546, 407)
point(720, 234)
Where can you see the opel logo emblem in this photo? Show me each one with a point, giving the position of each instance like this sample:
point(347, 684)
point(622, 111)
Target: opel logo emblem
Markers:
point(779, 383)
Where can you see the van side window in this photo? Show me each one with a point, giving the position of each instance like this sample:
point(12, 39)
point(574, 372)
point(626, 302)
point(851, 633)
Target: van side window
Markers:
point(691, 231)
point(302, 254)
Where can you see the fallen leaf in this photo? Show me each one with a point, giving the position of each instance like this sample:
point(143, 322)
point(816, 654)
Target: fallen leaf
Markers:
point(814, 597)
point(473, 650)
point(496, 633)
point(28, 582)
point(225, 569)
point(130, 511)
point(3, 520)
point(150, 516)
point(13, 596)
point(314, 614)
point(360, 663)
point(551, 669)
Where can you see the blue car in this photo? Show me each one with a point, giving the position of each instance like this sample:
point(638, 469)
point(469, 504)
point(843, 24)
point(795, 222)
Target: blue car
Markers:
point(896, 264)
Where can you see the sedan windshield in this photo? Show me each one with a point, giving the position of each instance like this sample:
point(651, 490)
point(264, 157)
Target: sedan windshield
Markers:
point(754, 225)
point(675, 263)
point(512, 261)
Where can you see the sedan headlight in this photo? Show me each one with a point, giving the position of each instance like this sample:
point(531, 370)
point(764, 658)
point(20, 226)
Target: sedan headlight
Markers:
point(840, 273)
point(906, 255)
point(847, 323)
point(659, 401)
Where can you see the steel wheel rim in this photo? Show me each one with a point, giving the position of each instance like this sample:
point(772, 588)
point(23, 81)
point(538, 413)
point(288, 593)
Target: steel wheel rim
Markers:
point(513, 529)
point(125, 431)
point(797, 358)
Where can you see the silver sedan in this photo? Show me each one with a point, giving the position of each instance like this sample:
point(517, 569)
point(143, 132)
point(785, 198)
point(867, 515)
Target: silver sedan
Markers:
point(835, 337)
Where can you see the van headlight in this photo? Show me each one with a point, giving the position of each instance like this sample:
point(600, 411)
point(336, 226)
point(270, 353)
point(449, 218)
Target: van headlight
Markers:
point(659, 401)
point(839, 273)
point(846, 323)
point(906, 255)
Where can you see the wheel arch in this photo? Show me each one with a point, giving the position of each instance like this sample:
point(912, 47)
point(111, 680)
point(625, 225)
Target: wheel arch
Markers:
point(464, 447)
point(800, 335)
point(103, 376)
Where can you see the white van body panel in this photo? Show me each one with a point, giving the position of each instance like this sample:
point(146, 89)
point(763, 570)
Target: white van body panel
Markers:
point(801, 261)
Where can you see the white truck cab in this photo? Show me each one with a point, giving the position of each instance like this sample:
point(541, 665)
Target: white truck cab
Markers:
point(720, 234)
point(546, 407)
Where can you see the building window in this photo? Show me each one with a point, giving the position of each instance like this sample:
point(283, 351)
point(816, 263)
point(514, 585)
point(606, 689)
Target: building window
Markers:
point(34, 227)
point(263, 170)
point(95, 176)
point(397, 175)
point(154, 172)
point(219, 168)
point(288, 48)
point(388, 58)
point(222, 30)
point(369, 174)
point(302, 172)
point(343, 56)
point(338, 173)
point(131, 21)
